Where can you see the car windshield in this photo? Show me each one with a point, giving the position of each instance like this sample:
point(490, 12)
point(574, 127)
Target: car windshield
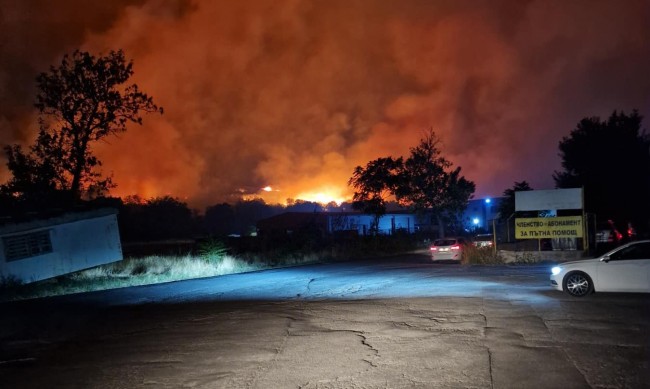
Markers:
point(444, 242)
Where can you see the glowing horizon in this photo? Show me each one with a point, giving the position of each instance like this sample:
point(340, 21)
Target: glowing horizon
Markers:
point(268, 95)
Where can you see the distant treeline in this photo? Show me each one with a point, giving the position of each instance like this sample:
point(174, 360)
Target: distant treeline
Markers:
point(165, 218)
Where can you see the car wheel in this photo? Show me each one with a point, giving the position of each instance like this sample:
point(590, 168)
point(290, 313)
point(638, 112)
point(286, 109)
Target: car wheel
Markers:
point(578, 284)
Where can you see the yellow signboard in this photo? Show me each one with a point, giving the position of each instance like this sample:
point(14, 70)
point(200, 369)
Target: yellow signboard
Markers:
point(549, 227)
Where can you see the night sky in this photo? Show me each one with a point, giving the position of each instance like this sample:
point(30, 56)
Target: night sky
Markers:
point(294, 94)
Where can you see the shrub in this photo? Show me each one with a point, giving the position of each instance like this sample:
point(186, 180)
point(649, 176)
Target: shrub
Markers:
point(212, 251)
point(9, 282)
point(481, 256)
point(525, 258)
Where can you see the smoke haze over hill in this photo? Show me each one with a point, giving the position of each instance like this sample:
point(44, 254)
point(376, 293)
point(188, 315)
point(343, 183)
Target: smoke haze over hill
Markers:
point(294, 94)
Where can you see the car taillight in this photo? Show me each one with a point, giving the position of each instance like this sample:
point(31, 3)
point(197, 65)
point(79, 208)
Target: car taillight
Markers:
point(434, 249)
point(456, 247)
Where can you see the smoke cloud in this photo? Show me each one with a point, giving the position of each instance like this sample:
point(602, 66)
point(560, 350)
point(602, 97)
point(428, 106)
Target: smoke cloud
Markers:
point(294, 94)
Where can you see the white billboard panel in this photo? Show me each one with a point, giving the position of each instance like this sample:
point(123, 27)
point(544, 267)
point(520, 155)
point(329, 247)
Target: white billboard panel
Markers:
point(540, 200)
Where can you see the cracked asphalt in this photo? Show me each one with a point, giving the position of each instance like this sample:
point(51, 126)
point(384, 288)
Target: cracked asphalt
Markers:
point(398, 322)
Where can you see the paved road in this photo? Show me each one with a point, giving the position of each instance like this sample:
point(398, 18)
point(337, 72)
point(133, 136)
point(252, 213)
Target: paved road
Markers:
point(400, 322)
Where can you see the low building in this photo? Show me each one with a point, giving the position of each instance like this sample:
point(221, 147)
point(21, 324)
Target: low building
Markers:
point(336, 222)
point(389, 223)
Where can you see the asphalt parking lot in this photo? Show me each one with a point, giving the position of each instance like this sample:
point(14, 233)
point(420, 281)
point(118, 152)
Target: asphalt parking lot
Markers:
point(387, 323)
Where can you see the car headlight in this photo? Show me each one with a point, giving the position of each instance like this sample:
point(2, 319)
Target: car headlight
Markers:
point(555, 270)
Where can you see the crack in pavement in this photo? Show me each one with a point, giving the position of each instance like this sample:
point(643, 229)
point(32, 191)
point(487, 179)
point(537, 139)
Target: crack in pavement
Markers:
point(309, 284)
point(403, 324)
point(308, 287)
point(575, 364)
point(490, 367)
point(278, 350)
point(364, 341)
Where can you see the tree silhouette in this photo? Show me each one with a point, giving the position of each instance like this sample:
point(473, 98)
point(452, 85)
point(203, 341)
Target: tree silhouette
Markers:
point(429, 183)
point(220, 219)
point(611, 161)
point(424, 182)
point(373, 185)
point(81, 101)
point(507, 205)
point(158, 218)
point(249, 212)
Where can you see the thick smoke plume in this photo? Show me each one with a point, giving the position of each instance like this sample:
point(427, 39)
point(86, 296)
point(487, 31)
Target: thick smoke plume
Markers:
point(294, 94)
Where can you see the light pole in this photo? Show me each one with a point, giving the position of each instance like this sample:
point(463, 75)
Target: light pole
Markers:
point(508, 225)
point(487, 203)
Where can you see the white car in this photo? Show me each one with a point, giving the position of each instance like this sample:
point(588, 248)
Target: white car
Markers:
point(448, 249)
point(624, 269)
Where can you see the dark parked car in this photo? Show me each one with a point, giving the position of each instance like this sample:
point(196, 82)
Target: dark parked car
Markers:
point(484, 240)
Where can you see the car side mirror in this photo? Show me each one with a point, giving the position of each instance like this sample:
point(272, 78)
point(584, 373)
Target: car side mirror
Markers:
point(605, 259)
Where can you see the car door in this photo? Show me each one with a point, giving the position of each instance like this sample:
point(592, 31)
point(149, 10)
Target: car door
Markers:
point(626, 270)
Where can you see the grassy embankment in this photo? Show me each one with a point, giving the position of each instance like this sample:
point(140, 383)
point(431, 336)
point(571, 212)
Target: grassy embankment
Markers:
point(211, 259)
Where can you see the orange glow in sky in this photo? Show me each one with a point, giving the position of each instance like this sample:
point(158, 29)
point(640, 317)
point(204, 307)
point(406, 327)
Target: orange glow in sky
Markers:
point(285, 98)
point(324, 197)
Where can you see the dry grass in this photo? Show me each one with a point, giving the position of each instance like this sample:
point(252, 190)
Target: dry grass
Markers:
point(161, 268)
point(149, 270)
point(132, 272)
point(481, 256)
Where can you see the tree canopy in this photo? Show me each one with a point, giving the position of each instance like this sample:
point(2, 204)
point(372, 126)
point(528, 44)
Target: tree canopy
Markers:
point(429, 182)
point(507, 205)
point(374, 184)
point(157, 218)
point(80, 101)
point(425, 181)
point(610, 159)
